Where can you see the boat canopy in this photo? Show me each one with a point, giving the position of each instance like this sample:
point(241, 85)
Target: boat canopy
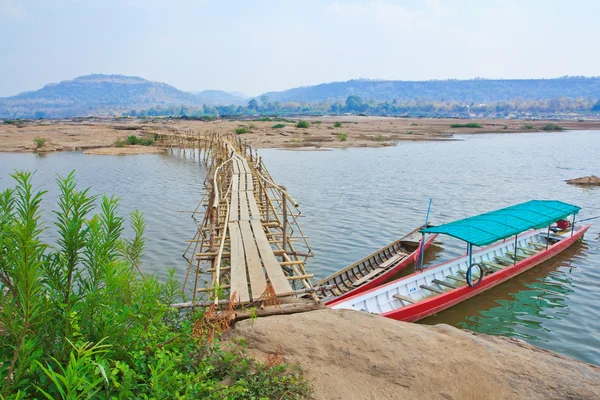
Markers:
point(483, 229)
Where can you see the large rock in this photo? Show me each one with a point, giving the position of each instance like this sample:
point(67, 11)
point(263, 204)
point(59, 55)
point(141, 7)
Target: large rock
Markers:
point(354, 355)
point(586, 180)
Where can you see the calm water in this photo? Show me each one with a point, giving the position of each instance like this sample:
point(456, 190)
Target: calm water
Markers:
point(357, 200)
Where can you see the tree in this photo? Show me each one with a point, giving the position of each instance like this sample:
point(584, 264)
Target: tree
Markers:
point(264, 99)
point(252, 104)
point(596, 107)
point(355, 103)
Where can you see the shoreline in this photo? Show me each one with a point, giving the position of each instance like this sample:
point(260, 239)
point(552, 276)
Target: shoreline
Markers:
point(321, 133)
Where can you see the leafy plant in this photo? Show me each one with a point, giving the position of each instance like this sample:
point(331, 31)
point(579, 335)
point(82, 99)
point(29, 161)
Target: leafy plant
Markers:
point(467, 125)
point(39, 142)
point(278, 126)
point(528, 126)
point(553, 127)
point(342, 137)
point(241, 130)
point(302, 124)
point(80, 321)
point(315, 122)
point(337, 124)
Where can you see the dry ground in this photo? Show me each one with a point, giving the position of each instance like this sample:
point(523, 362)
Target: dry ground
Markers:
point(82, 134)
point(354, 355)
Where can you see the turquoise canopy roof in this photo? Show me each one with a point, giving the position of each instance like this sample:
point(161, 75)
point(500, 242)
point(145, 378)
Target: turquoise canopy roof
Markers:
point(490, 227)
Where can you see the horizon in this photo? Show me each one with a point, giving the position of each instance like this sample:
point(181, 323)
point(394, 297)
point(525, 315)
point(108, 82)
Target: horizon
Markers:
point(269, 46)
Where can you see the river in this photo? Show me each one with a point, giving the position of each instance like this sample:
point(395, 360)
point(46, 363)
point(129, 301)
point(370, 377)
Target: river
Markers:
point(357, 200)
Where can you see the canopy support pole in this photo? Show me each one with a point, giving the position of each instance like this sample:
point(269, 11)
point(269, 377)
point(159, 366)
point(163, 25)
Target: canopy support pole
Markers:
point(470, 250)
point(548, 238)
point(515, 258)
point(573, 225)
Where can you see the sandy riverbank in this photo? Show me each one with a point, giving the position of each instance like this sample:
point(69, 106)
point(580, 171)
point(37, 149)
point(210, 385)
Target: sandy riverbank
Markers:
point(354, 355)
point(81, 134)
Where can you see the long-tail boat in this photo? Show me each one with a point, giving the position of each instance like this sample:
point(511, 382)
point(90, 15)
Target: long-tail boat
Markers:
point(499, 258)
point(377, 268)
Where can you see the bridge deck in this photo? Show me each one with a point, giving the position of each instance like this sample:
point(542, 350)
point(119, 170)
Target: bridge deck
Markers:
point(252, 257)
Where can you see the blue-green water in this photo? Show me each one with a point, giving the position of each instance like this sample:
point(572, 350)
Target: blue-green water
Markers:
point(357, 200)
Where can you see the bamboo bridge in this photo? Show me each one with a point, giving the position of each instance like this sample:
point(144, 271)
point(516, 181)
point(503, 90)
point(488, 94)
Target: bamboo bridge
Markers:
point(248, 241)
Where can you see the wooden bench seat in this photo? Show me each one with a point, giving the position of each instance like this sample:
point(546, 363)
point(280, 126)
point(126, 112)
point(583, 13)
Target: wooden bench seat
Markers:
point(444, 283)
point(368, 277)
point(404, 298)
point(431, 289)
point(394, 259)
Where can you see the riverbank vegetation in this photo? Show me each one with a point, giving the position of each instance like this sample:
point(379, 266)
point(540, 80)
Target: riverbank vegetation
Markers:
point(133, 140)
point(79, 320)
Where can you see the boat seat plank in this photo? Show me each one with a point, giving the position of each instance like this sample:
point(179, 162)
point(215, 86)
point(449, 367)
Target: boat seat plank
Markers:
point(368, 277)
point(404, 298)
point(444, 283)
point(527, 251)
point(457, 278)
point(256, 273)
point(504, 260)
point(276, 276)
point(394, 259)
point(537, 245)
point(518, 257)
point(239, 282)
point(431, 289)
point(254, 211)
point(244, 212)
point(493, 266)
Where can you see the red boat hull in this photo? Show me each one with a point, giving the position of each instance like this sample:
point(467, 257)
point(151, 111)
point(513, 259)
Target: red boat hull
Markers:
point(387, 275)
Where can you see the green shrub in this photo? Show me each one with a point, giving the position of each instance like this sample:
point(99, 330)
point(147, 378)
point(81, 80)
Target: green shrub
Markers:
point(79, 321)
point(120, 143)
point(315, 122)
point(467, 125)
point(241, 130)
point(337, 124)
point(278, 126)
point(132, 140)
point(342, 137)
point(553, 127)
point(10, 121)
point(528, 126)
point(264, 119)
point(145, 141)
point(39, 142)
point(302, 124)
point(409, 132)
point(580, 120)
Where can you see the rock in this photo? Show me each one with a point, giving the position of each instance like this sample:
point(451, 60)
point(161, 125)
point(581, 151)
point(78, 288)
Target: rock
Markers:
point(586, 180)
point(354, 355)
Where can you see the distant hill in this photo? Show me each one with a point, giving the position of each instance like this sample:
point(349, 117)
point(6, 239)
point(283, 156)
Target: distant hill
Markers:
point(218, 97)
point(468, 91)
point(94, 95)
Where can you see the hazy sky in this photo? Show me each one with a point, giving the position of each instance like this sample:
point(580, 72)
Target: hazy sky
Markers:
point(258, 46)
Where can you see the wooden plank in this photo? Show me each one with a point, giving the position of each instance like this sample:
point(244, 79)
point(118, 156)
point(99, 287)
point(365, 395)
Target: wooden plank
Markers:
point(239, 282)
point(432, 289)
point(236, 166)
point(274, 271)
point(242, 182)
point(254, 211)
point(244, 213)
point(249, 183)
point(444, 283)
point(368, 276)
point(403, 298)
point(235, 183)
point(395, 258)
point(258, 282)
point(234, 206)
point(245, 166)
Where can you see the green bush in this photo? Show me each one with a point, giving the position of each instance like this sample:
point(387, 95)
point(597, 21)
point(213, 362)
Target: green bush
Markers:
point(132, 140)
point(278, 126)
point(79, 321)
point(241, 130)
point(553, 127)
point(39, 142)
point(302, 124)
point(342, 137)
point(120, 143)
point(467, 125)
point(528, 126)
point(337, 124)
point(315, 122)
